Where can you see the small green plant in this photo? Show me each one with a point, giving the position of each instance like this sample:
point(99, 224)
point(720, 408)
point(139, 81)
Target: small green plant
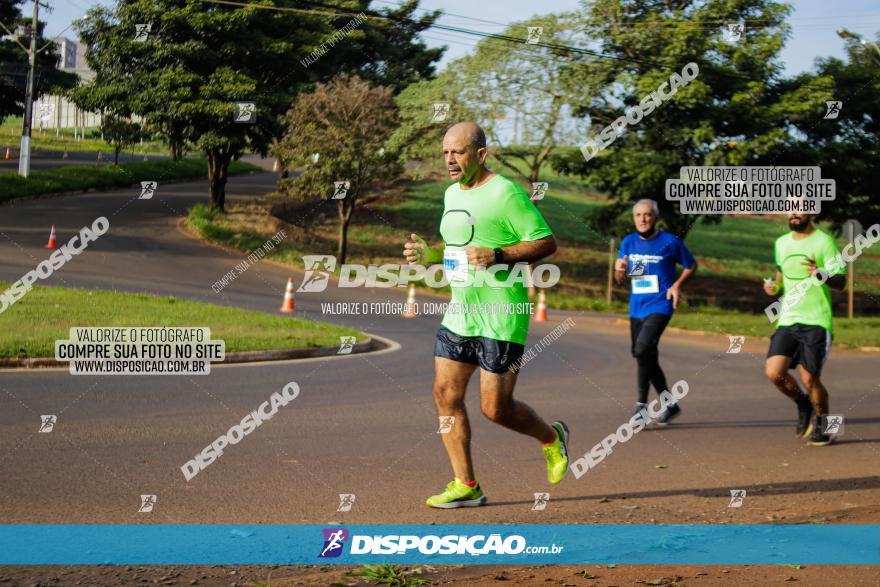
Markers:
point(390, 575)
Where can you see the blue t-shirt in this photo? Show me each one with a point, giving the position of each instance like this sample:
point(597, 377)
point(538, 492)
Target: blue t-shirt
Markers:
point(651, 270)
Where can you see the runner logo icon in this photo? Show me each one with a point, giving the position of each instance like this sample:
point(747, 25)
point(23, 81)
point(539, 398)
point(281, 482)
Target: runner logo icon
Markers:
point(47, 423)
point(833, 424)
point(541, 500)
point(148, 502)
point(346, 500)
point(539, 188)
point(346, 345)
point(334, 540)
point(736, 344)
point(148, 188)
point(318, 269)
point(340, 189)
point(638, 267)
point(737, 497)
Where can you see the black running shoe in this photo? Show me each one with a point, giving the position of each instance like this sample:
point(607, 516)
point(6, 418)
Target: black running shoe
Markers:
point(805, 418)
point(671, 412)
point(639, 407)
point(818, 437)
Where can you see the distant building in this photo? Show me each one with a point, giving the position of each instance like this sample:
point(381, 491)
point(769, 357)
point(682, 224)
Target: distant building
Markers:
point(67, 51)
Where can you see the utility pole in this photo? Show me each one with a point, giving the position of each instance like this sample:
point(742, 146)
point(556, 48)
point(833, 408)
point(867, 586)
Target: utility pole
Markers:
point(24, 159)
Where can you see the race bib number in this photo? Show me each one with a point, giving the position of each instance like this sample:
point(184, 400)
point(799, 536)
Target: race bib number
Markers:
point(455, 264)
point(645, 284)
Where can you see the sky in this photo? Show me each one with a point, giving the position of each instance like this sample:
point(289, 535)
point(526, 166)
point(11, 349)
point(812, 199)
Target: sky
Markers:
point(813, 23)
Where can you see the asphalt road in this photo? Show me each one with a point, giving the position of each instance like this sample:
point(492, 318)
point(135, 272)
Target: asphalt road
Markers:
point(366, 424)
point(42, 160)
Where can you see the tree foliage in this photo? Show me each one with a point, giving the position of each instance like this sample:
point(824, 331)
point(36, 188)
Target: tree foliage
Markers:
point(518, 92)
point(347, 122)
point(14, 62)
point(738, 111)
point(201, 59)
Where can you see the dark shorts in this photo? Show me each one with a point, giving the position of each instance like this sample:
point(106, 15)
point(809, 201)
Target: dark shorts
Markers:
point(807, 346)
point(495, 356)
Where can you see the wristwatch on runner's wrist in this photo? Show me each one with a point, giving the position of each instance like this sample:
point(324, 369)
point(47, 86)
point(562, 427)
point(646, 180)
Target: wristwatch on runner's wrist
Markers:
point(499, 256)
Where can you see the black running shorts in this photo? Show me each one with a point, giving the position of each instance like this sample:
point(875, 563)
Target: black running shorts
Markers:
point(807, 346)
point(495, 356)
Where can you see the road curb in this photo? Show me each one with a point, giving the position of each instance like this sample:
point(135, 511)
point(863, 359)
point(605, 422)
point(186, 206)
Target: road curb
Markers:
point(370, 345)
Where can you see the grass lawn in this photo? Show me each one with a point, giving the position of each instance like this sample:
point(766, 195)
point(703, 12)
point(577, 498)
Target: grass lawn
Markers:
point(31, 325)
point(104, 177)
point(10, 136)
point(847, 333)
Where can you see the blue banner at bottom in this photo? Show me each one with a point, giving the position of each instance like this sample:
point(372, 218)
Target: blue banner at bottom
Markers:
point(147, 544)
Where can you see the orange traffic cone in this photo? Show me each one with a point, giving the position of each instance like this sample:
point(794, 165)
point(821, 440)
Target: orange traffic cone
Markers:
point(409, 310)
point(65, 155)
point(289, 303)
point(52, 244)
point(8, 154)
point(541, 311)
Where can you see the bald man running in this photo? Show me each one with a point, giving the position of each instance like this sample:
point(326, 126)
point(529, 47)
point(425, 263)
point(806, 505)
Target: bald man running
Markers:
point(487, 220)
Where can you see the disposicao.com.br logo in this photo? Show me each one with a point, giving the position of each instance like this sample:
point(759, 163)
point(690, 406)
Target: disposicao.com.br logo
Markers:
point(478, 544)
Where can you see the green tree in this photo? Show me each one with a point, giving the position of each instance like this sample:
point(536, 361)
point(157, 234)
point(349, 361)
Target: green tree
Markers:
point(14, 61)
point(737, 111)
point(517, 91)
point(427, 109)
point(349, 121)
point(846, 148)
point(201, 59)
point(120, 132)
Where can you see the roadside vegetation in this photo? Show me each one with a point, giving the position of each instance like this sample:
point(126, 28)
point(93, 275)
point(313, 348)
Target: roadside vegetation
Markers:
point(33, 324)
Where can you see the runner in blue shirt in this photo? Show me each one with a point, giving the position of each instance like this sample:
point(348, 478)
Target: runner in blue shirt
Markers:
point(649, 257)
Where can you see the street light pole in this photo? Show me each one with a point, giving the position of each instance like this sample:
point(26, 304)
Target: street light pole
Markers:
point(24, 159)
point(845, 34)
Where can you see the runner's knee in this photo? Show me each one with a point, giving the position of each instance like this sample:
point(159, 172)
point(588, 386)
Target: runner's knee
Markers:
point(809, 380)
point(496, 411)
point(774, 373)
point(447, 396)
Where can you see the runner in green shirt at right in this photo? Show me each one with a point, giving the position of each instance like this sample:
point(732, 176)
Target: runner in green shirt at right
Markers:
point(804, 329)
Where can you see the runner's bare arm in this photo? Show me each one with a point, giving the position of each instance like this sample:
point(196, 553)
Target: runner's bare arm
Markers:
point(837, 282)
point(620, 269)
point(416, 250)
point(674, 292)
point(522, 252)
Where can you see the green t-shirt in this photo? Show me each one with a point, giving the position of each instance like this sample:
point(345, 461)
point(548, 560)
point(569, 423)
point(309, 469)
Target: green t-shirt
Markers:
point(814, 306)
point(495, 214)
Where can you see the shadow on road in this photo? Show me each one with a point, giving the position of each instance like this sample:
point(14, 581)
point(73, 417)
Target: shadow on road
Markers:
point(765, 489)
